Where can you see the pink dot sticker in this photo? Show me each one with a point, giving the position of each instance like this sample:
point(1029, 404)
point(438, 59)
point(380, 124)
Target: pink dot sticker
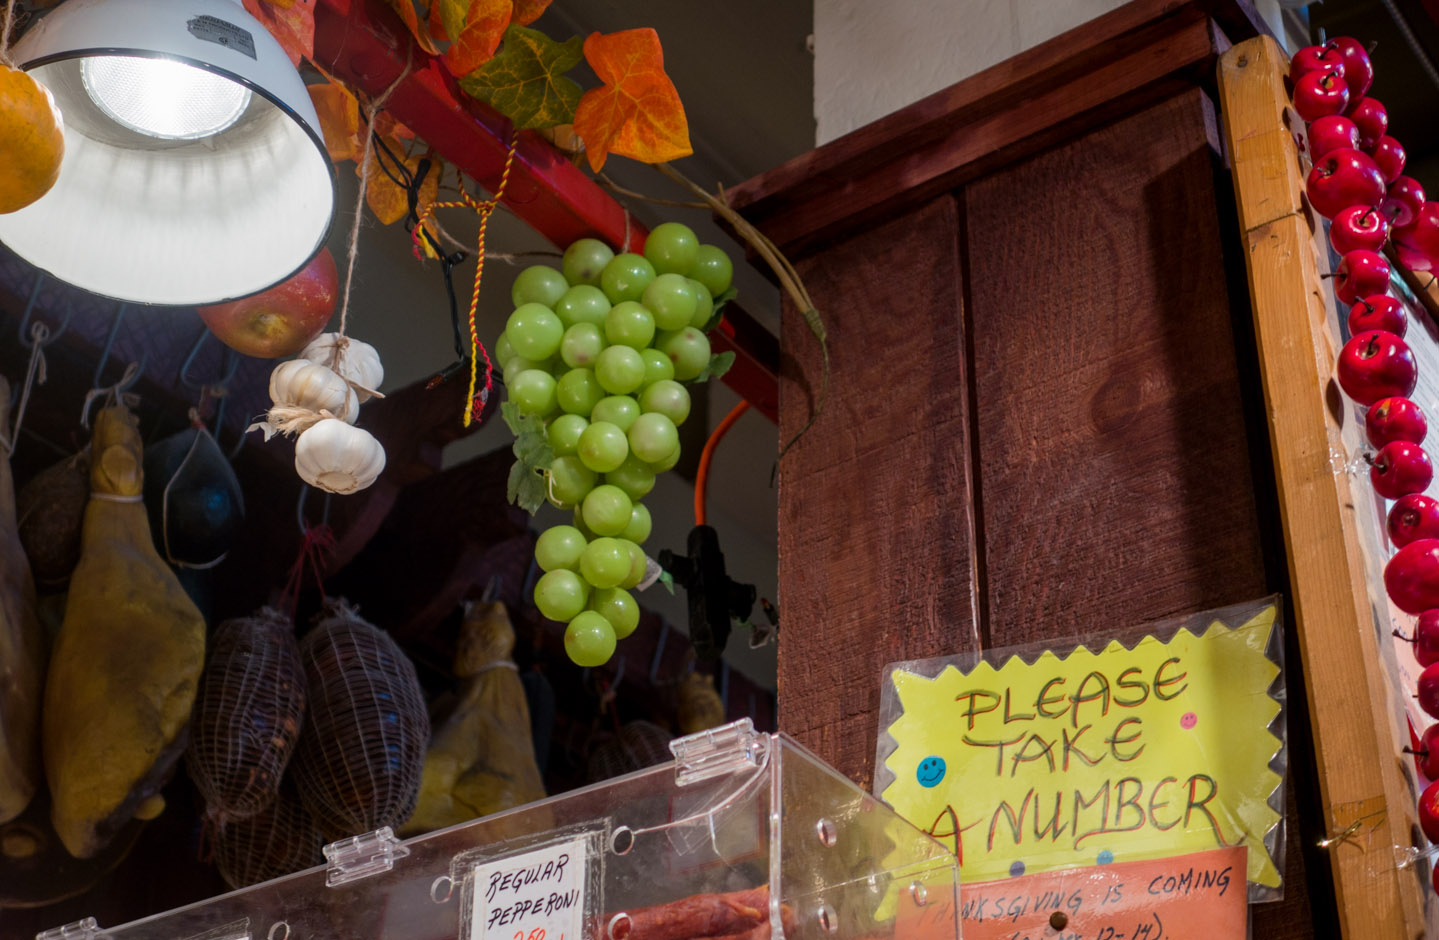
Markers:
point(1188, 721)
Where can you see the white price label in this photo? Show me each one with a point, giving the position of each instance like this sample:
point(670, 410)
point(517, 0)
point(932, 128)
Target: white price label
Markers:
point(538, 895)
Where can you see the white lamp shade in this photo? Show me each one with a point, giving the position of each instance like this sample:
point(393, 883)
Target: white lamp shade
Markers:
point(155, 219)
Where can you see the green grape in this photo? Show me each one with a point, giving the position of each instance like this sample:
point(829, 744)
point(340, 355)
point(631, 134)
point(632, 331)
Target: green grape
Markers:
point(581, 345)
point(606, 510)
point(618, 607)
point(671, 301)
point(564, 434)
point(630, 324)
point(660, 466)
point(712, 269)
point(532, 391)
point(704, 305)
point(688, 349)
point(589, 639)
point(561, 594)
point(577, 519)
point(605, 562)
point(502, 351)
point(619, 410)
point(635, 477)
point(619, 369)
point(672, 247)
point(657, 366)
point(534, 331)
point(668, 398)
point(626, 277)
point(583, 303)
point(517, 364)
point(603, 447)
point(570, 480)
point(584, 260)
point(640, 524)
point(578, 392)
point(652, 437)
point(560, 547)
point(539, 284)
point(637, 565)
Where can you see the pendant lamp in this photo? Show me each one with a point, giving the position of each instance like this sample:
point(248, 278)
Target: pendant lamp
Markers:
point(194, 170)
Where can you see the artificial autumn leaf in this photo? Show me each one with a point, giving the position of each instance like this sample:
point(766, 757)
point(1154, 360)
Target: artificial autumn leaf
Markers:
point(386, 198)
point(406, 9)
point(526, 82)
point(292, 25)
point(637, 112)
point(527, 11)
point(386, 126)
point(475, 28)
point(339, 114)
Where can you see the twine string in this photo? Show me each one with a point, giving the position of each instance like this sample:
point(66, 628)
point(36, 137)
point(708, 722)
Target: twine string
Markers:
point(113, 394)
point(315, 550)
point(35, 374)
point(5, 33)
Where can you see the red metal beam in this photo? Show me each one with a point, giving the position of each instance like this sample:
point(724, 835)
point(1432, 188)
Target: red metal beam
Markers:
point(364, 43)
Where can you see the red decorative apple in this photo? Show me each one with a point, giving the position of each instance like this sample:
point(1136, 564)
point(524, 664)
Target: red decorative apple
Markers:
point(1426, 645)
point(1358, 227)
point(1359, 274)
point(1344, 178)
point(1315, 59)
point(1319, 93)
point(1411, 518)
point(1376, 365)
point(1332, 132)
point(1358, 71)
point(1417, 243)
point(1427, 755)
point(1370, 116)
point(1402, 201)
point(1429, 803)
point(1394, 419)
point(1412, 576)
point(1400, 468)
point(1389, 156)
point(1428, 695)
point(282, 320)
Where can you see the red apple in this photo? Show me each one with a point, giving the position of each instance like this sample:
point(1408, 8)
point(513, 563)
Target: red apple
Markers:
point(1372, 120)
point(1358, 227)
point(1342, 179)
point(1411, 577)
point(1428, 695)
point(1378, 312)
point(282, 320)
point(1402, 201)
point(1359, 274)
point(1315, 59)
point(1429, 804)
point(1417, 244)
point(1319, 93)
point(1399, 469)
point(1411, 518)
point(1332, 132)
point(1426, 640)
point(1389, 156)
point(1427, 756)
point(1358, 70)
point(1394, 419)
point(1376, 365)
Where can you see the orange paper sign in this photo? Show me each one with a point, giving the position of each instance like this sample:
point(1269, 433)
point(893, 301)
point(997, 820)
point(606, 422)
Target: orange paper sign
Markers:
point(1187, 897)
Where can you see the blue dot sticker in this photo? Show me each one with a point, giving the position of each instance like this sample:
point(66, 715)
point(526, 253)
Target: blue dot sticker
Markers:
point(1105, 857)
point(930, 771)
point(1016, 869)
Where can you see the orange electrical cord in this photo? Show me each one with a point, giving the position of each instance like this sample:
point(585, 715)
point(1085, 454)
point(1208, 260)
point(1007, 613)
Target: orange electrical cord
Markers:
point(703, 473)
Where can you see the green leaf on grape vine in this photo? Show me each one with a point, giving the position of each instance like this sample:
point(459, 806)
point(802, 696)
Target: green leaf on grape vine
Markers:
point(533, 456)
point(718, 313)
point(718, 365)
point(526, 80)
point(668, 580)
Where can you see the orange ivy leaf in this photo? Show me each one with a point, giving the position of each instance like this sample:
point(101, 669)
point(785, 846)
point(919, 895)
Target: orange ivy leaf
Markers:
point(339, 121)
point(406, 9)
point(292, 24)
point(386, 198)
point(387, 126)
point(637, 112)
point(475, 28)
point(527, 11)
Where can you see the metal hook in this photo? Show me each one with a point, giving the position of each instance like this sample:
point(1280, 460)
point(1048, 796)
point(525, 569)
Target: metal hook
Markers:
point(300, 510)
point(97, 380)
point(659, 652)
point(230, 362)
point(42, 340)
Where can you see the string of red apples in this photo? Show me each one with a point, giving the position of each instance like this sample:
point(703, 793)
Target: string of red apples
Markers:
point(1356, 182)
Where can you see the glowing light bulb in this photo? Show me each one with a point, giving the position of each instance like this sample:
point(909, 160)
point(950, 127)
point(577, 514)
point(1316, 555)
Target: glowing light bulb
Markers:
point(162, 97)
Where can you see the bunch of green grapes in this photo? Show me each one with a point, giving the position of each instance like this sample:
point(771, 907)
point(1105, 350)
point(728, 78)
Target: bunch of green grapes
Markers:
point(599, 350)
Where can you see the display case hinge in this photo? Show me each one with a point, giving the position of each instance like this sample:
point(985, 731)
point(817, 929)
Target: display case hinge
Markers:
point(718, 751)
point(87, 929)
point(362, 856)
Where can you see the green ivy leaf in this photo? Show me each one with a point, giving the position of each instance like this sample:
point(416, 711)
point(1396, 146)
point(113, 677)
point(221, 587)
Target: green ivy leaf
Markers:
point(526, 80)
point(718, 365)
point(717, 314)
point(668, 580)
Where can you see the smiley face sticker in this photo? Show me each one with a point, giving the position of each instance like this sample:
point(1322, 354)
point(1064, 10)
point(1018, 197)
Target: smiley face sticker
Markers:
point(930, 771)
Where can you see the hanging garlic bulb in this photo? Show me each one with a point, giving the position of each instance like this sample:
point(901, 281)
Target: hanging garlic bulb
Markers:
point(338, 457)
point(359, 364)
point(301, 383)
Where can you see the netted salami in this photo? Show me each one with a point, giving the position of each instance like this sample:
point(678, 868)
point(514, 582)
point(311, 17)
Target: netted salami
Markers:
point(280, 839)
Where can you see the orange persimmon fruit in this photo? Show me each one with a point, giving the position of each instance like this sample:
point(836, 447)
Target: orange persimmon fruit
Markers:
point(32, 139)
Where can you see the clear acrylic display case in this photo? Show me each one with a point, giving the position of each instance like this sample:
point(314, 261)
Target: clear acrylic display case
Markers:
point(739, 821)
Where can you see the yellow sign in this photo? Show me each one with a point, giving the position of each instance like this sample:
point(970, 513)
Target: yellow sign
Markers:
point(1096, 757)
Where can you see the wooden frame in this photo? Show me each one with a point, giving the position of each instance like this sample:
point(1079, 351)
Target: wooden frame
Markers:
point(1367, 802)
